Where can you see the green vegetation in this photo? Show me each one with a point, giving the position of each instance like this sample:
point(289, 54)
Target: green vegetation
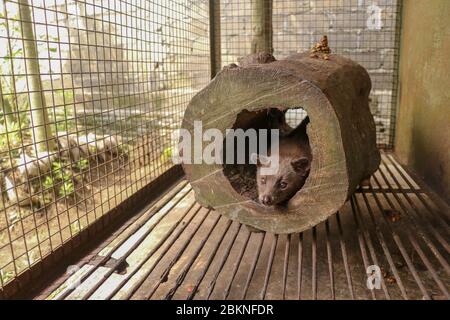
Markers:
point(11, 137)
point(6, 276)
point(82, 164)
point(61, 179)
point(12, 118)
point(167, 154)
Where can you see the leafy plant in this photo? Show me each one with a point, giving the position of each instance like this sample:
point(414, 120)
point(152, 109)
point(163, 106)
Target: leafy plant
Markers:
point(12, 81)
point(166, 154)
point(82, 164)
point(60, 177)
point(75, 227)
point(6, 276)
point(67, 188)
point(58, 170)
point(10, 137)
point(48, 183)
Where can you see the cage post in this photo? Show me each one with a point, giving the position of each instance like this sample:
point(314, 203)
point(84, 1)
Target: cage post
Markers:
point(214, 36)
point(262, 26)
point(396, 87)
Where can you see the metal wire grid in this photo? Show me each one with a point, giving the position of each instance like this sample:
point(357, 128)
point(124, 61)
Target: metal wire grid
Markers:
point(178, 250)
point(107, 96)
point(116, 77)
point(364, 31)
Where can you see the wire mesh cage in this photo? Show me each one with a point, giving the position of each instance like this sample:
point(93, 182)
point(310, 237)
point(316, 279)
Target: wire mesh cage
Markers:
point(364, 31)
point(92, 90)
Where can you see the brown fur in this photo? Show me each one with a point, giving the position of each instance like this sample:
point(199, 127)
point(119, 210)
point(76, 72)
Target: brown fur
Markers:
point(294, 165)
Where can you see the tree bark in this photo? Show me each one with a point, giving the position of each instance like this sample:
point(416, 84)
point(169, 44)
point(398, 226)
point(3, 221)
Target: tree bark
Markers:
point(8, 111)
point(41, 129)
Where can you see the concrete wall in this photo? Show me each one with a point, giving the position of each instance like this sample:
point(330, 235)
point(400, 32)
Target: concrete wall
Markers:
point(423, 121)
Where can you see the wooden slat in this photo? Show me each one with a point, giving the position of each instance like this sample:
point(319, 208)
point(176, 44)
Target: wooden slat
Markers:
point(182, 251)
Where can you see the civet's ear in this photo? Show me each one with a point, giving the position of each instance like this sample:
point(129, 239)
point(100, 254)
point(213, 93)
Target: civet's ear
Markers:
point(301, 165)
point(259, 159)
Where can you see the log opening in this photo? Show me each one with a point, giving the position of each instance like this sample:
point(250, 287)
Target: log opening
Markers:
point(242, 177)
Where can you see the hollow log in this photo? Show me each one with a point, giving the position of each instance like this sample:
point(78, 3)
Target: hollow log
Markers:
point(334, 91)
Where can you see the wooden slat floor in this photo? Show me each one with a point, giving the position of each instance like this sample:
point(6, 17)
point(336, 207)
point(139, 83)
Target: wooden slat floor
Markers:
point(178, 250)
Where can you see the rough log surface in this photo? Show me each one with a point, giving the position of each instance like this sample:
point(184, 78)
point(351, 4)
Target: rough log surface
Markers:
point(334, 92)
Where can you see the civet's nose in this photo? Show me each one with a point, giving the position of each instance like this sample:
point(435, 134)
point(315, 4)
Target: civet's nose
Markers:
point(267, 200)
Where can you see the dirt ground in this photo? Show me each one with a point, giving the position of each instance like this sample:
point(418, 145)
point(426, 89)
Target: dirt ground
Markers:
point(27, 234)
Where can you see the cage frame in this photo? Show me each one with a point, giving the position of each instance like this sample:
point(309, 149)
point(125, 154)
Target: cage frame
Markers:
point(111, 220)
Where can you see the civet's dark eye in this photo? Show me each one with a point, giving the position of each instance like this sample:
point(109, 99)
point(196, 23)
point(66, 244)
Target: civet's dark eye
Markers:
point(283, 185)
point(263, 180)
